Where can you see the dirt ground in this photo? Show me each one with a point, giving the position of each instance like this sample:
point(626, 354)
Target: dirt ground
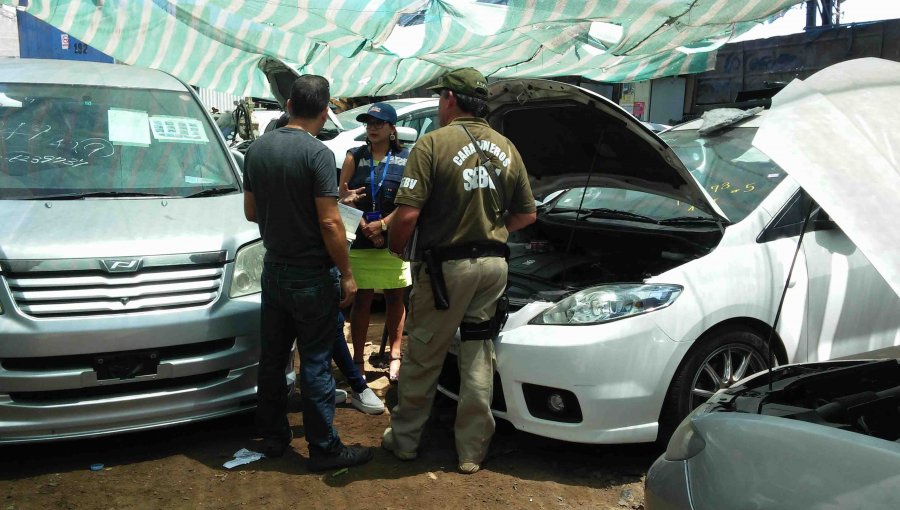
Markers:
point(181, 467)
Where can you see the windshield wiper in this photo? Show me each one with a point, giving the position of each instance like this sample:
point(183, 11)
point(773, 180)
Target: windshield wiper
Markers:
point(97, 194)
point(212, 192)
point(690, 219)
point(614, 214)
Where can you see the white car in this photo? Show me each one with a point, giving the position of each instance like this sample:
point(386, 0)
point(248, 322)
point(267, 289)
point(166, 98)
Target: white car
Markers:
point(415, 117)
point(342, 132)
point(654, 279)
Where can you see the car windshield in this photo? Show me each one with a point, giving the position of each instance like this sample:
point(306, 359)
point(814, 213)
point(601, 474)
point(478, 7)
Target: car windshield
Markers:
point(737, 175)
point(348, 118)
point(75, 141)
point(612, 200)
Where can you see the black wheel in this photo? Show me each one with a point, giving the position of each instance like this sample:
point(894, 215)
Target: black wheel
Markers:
point(719, 359)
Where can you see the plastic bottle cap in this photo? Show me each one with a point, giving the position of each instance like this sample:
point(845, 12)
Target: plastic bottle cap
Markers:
point(96, 467)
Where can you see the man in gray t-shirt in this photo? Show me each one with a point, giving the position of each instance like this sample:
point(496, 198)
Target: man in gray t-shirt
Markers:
point(290, 189)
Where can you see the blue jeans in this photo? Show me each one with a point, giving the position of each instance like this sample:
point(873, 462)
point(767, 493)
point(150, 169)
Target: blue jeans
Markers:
point(344, 360)
point(298, 302)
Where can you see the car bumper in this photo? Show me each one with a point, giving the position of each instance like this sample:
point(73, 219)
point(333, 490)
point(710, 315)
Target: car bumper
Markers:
point(666, 486)
point(51, 386)
point(612, 379)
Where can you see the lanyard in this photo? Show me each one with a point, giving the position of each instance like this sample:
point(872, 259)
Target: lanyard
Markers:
point(375, 190)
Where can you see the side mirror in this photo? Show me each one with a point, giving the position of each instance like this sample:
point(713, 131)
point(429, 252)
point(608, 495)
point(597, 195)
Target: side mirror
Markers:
point(407, 134)
point(822, 221)
point(238, 159)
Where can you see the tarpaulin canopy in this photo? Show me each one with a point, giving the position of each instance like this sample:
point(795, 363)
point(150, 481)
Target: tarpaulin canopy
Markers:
point(380, 47)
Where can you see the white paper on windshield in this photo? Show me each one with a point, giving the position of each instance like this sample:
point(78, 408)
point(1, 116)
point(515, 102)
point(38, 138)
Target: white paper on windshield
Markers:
point(128, 127)
point(350, 216)
point(177, 129)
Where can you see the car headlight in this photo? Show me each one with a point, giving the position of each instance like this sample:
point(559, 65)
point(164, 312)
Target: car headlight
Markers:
point(686, 442)
point(609, 302)
point(248, 264)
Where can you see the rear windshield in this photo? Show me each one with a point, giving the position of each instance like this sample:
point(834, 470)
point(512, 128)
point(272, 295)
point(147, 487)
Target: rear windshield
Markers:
point(734, 172)
point(57, 140)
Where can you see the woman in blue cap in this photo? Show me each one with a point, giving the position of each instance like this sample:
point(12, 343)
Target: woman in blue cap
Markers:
point(378, 167)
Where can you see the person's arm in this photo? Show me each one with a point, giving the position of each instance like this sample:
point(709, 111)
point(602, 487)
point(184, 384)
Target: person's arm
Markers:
point(249, 206)
point(403, 222)
point(344, 191)
point(332, 228)
point(518, 221)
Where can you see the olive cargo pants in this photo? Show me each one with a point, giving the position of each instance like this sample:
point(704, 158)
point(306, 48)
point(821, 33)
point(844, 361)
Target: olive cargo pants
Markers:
point(473, 286)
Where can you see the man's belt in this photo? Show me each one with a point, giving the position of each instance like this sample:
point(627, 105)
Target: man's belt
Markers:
point(433, 257)
point(472, 251)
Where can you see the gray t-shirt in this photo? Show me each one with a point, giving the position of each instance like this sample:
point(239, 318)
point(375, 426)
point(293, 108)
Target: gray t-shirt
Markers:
point(286, 169)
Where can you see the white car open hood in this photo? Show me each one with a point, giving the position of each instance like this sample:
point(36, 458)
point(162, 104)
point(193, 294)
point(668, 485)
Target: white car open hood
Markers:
point(281, 76)
point(570, 136)
point(836, 134)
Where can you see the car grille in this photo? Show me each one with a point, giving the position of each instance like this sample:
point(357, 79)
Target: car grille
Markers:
point(161, 283)
point(142, 388)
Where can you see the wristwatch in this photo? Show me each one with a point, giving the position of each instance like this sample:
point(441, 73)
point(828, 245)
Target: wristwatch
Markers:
point(383, 226)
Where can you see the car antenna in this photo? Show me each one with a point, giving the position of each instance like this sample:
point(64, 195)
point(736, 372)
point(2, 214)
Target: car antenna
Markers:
point(787, 282)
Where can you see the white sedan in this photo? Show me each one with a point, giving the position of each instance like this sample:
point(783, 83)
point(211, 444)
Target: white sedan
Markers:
point(654, 279)
point(415, 117)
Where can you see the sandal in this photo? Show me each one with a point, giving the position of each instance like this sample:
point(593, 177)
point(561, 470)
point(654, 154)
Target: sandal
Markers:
point(394, 370)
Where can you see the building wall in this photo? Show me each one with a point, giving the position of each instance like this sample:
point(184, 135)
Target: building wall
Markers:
point(762, 63)
point(40, 40)
point(9, 33)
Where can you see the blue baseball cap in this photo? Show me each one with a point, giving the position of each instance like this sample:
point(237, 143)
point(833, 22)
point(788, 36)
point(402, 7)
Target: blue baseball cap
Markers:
point(380, 111)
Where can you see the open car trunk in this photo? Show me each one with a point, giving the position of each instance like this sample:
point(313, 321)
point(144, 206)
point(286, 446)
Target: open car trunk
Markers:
point(571, 138)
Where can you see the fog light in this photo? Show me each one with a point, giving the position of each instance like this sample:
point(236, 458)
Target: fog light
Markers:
point(556, 403)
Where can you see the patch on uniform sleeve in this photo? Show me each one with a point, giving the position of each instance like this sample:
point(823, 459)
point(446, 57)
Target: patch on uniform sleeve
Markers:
point(408, 182)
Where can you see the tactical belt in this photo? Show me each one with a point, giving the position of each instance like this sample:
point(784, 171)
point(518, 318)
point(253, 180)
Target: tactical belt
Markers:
point(472, 251)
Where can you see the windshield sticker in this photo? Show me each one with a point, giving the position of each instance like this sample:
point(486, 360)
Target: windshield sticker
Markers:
point(128, 127)
point(190, 179)
point(177, 129)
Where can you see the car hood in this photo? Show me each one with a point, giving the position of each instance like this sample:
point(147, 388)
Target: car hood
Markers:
point(569, 136)
point(836, 134)
point(281, 76)
point(95, 228)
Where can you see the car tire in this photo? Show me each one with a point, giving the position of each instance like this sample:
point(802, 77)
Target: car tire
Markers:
point(717, 354)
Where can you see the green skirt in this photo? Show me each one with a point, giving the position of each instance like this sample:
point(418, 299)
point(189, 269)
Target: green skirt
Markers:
point(378, 269)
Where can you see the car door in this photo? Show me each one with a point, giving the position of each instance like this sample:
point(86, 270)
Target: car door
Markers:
point(422, 121)
point(850, 309)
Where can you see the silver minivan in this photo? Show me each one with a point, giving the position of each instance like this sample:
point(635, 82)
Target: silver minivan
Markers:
point(129, 278)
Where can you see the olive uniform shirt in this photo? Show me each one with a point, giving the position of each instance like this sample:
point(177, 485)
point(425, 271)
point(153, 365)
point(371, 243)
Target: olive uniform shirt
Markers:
point(443, 178)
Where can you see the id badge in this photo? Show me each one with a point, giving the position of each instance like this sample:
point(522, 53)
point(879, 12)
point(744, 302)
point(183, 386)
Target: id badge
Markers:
point(372, 216)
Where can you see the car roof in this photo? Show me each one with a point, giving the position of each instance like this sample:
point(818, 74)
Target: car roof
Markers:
point(69, 72)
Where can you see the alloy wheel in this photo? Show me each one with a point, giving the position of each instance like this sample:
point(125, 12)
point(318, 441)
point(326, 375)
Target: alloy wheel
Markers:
point(722, 368)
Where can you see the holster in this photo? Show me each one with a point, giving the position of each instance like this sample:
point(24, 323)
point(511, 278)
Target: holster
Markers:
point(489, 329)
point(435, 270)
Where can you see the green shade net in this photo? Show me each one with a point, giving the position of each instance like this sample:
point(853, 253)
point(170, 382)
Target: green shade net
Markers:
point(380, 47)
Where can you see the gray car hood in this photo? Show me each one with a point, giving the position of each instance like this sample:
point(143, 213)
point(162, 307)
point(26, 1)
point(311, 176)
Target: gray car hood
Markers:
point(566, 133)
point(281, 76)
point(97, 228)
point(836, 134)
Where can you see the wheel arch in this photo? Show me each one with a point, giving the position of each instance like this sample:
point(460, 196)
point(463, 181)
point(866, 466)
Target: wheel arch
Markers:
point(732, 324)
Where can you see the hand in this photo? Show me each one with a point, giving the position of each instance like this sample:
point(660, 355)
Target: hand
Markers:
point(351, 196)
point(371, 229)
point(348, 291)
point(378, 240)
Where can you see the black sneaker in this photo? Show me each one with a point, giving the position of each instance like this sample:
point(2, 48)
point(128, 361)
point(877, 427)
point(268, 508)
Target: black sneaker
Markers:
point(276, 446)
point(348, 456)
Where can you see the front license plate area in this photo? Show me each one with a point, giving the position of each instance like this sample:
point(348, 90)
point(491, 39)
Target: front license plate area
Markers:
point(126, 365)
